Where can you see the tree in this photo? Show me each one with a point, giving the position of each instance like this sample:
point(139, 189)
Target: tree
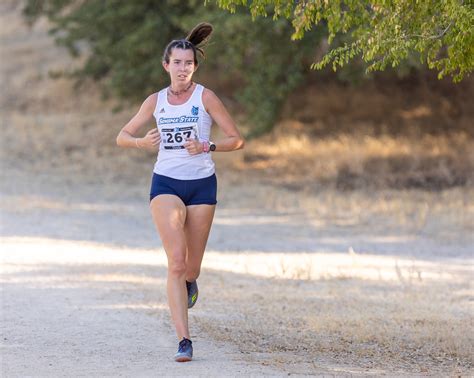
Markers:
point(383, 32)
point(123, 42)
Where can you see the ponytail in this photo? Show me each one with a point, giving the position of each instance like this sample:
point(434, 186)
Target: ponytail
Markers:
point(197, 38)
point(200, 35)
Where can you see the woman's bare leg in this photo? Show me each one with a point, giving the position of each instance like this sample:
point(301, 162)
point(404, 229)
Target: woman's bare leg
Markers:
point(198, 224)
point(169, 215)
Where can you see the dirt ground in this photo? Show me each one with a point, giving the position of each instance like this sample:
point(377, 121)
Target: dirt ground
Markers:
point(298, 278)
point(283, 290)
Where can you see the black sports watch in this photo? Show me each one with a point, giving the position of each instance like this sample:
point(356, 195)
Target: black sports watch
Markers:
point(212, 146)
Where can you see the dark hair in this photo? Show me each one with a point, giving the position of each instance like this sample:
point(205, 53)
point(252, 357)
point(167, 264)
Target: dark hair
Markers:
point(196, 39)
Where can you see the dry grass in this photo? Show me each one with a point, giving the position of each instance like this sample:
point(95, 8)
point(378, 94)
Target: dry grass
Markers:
point(388, 133)
point(345, 322)
point(361, 161)
point(365, 311)
point(378, 310)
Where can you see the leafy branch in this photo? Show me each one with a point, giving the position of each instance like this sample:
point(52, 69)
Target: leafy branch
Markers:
point(382, 32)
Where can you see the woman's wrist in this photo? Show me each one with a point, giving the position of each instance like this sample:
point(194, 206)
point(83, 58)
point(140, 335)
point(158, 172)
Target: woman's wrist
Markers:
point(205, 147)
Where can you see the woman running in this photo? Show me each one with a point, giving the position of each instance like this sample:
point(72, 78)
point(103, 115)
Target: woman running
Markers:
point(184, 186)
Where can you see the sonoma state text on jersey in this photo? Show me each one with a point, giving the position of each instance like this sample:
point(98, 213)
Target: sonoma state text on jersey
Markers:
point(182, 119)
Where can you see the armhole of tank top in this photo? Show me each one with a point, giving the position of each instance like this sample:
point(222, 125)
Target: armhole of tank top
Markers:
point(155, 112)
point(202, 102)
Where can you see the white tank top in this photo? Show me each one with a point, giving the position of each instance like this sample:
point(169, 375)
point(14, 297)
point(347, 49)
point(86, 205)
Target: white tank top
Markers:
point(176, 123)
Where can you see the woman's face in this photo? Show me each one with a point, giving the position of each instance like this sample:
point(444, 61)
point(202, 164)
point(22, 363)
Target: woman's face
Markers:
point(181, 66)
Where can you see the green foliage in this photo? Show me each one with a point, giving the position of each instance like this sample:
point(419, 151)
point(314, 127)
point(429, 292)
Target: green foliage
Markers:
point(257, 58)
point(384, 33)
point(123, 42)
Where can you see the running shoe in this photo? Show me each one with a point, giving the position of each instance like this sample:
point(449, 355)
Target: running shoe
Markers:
point(185, 351)
point(192, 293)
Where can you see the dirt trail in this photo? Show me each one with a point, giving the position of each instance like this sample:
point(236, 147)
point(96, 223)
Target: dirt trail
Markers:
point(84, 275)
point(84, 281)
point(78, 309)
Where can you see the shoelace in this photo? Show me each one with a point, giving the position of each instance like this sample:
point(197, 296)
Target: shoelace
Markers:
point(183, 344)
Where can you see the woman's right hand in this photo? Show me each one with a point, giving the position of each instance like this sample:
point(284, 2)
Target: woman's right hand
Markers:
point(151, 140)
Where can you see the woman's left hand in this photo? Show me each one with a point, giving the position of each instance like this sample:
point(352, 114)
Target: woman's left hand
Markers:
point(193, 146)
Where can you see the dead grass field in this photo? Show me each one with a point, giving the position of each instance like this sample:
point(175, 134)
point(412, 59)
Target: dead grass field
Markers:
point(356, 325)
point(363, 161)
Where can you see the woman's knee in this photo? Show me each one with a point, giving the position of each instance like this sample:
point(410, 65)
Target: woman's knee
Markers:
point(192, 273)
point(177, 266)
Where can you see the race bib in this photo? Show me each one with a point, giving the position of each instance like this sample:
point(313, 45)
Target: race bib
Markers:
point(174, 138)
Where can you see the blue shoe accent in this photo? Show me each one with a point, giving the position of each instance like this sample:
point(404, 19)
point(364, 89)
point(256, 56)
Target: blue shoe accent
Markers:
point(185, 351)
point(192, 293)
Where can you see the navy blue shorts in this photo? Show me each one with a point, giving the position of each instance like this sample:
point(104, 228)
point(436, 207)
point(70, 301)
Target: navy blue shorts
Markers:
point(192, 192)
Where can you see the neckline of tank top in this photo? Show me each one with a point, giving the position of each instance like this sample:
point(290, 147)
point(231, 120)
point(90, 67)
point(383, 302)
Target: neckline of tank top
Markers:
point(184, 103)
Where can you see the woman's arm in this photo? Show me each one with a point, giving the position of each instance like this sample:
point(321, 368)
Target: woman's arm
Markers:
point(218, 112)
point(126, 136)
